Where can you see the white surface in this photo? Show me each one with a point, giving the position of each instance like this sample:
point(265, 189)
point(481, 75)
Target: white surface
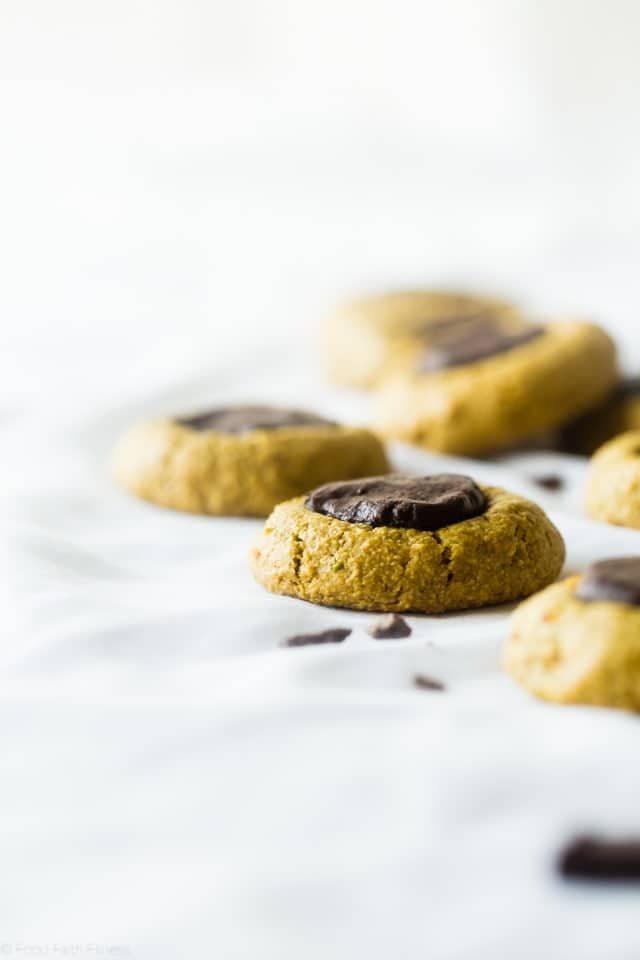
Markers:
point(180, 174)
point(175, 785)
point(186, 181)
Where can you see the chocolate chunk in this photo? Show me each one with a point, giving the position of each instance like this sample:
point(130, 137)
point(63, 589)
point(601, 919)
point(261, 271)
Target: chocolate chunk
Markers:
point(613, 581)
point(390, 626)
point(549, 481)
point(335, 635)
point(596, 858)
point(423, 682)
point(246, 419)
point(472, 343)
point(395, 500)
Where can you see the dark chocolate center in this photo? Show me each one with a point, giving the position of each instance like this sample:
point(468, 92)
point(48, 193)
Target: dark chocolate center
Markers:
point(418, 503)
point(447, 324)
point(613, 581)
point(246, 419)
point(471, 342)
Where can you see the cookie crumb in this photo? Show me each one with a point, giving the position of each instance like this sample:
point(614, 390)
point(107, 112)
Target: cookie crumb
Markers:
point(389, 626)
point(423, 682)
point(549, 481)
point(596, 858)
point(334, 635)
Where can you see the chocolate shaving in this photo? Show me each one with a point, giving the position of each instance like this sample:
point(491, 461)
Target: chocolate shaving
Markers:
point(549, 481)
point(423, 682)
point(597, 858)
point(334, 635)
point(390, 626)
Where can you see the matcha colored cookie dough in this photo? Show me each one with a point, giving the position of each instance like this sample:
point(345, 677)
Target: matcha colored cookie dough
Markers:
point(578, 641)
point(368, 338)
point(485, 388)
point(613, 483)
point(240, 461)
point(397, 543)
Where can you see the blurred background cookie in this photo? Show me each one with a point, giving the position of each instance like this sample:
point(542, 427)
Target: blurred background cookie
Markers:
point(482, 387)
point(613, 482)
point(241, 461)
point(579, 641)
point(368, 338)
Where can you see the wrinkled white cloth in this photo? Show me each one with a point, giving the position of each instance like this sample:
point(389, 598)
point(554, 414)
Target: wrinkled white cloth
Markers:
point(174, 784)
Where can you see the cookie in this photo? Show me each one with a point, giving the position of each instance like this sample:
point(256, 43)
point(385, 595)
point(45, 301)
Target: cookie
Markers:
point(613, 482)
point(399, 543)
point(488, 388)
point(619, 413)
point(367, 339)
point(240, 461)
point(579, 640)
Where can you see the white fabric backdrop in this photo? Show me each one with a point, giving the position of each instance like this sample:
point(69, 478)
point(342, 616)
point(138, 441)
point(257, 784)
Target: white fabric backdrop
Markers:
point(174, 784)
point(185, 188)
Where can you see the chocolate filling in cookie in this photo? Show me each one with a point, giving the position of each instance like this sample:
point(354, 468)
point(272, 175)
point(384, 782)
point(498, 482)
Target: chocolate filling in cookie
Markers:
point(246, 419)
point(461, 344)
point(612, 581)
point(417, 503)
point(446, 326)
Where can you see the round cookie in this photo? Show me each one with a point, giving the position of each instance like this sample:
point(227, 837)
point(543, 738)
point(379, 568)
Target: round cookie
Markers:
point(578, 641)
point(518, 383)
point(613, 482)
point(368, 338)
point(619, 413)
point(430, 544)
point(240, 461)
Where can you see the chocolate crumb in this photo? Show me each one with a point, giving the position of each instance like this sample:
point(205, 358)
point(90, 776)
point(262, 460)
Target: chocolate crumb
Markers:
point(390, 626)
point(596, 858)
point(335, 635)
point(423, 682)
point(550, 481)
